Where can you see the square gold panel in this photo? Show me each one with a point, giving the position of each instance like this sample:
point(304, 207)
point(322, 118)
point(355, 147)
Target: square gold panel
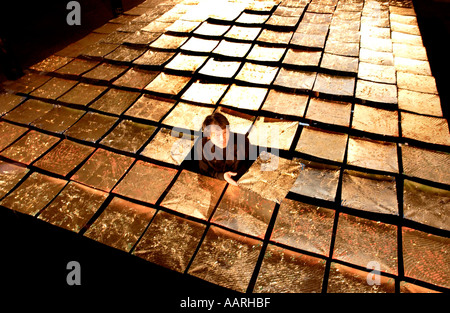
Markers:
point(273, 133)
point(182, 27)
point(250, 19)
point(243, 33)
point(27, 83)
point(377, 73)
point(50, 64)
point(170, 241)
point(419, 102)
point(32, 195)
point(30, 147)
point(105, 72)
point(425, 128)
point(312, 29)
point(301, 57)
point(82, 94)
point(405, 51)
point(244, 211)
point(156, 26)
point(415, 82)
point(317, 180)
point(266, 53)
point(77, 67)
point(329, 112)
point(220, 69)
point(271, 176)
point(372, 154)
point(304, 226)
point(232, 49)
point(168, 84)
point(91, 127)
point(145, 182)
point(125, 53)
point(203, 92)
point(58, 119)
point(128, 136)
point(54, 88)
point(103, 169)
point(285, 103)
point(226, 259)
point(210, 29)
point(335, 85)
point(10, 176)
point(115, 101)
point(9, 101)
point(169, 146)
point(308, 40)
point(287, 22)
point(98, 50)
point(186, 63)
point(150, 107)
point(135, 78)
point(426, 205)
point(139, 38)
point(73, 207)
point(342, 48)
point(187, 116)
point(360, 241)
point(121, 224)
point(275, 37)
point(257, 74)
point(295, 79)
point(64, 157)
point(239, 122)
point(426, 164)
point(9, 133)
point(376, 44)
point(244, 97)
point(169, 42)
point(425, 257)
point(345, 279)
point(28, 111)
point(339, 63)
point(317, 142)
point(376, 57)
point(369, 192)
point(286, 271)
point(154, 58)
point(201, 45)
point(374, 120)
point(194, 195)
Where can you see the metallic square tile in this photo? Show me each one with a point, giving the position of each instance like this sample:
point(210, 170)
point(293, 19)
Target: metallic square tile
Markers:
point(135, 78)
point(115, 101)
point(150, 107)
point(187, 116)
point(419, 102)
point(58, 119)
point(50, 64)
point(154, 58)
point(82, 94)
point(9, 133)
point(285, 103)
point(168, 84)
point(376, 92)
point(295, 79)
point(28, 111)
point(10, 176)
point(374, 120)
point(257, 74)
point(244, 97)
point(186, 62)
point(9, 101)
point(425, 128)
point(54, 88)
point(220, 69)
point(334, 85)
point(274, 133)
point(329, 112)
point(91, 127)
point(105, 72)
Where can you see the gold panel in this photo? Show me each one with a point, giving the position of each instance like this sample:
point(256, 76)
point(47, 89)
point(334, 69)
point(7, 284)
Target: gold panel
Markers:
point(266, 54)
point(115, 101)
point(244, 97)
point(9, 133)
point(91, 127)
point(186, 62)
point(9, 101)
point(106, 72)
point(58, 119)
point(50, 64)
point(54, 88)
point(10, 176)
point(300, 57)
point(239, 122)
point(207, 93)
point(195, 44)
point(243, 33)
point(329, 112)
point(187, 116)
point(168, 84)
point(151, 108)
point(154, 58)
point(374, 120)
point(334, 84)
point(27, 83)
point(285, 103)
point(257, 74)
point(209, 29)
point(135, 78)
point(77, 67)
point(425, 128)
point(295, 79)
point(168, 42)
point(377, 73)
point(275, 37)
point(82, 94)
point(232, 49)
point(28, 111)
point(274, 133)
point(414, 82)
point(419, 102)
point(218, 68)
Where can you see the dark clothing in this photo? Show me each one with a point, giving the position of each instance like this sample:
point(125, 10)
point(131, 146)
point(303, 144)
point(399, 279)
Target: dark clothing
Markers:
point(236, 157)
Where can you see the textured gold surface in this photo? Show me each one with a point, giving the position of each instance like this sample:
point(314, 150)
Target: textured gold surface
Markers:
point(82, 94)
point(239, 122)
point(168, 84)
point(170, 241)
point(8, 101)
point(232, 49)
point(194, 194)
point(9, 133)
point(10, 175)
point(243, 33)
point(27, 83)
point(207, 93)
point(244, 97)
point(425, 128)
point(285, 103)
point(257, 74)
point(28, 111)
point(376, 92)
point(374, 120)
point(265, 54)
point(330, 112)
point(115, 101)
point(187, 116)
point(50, 64)
point(91, 126)
point(121, 224)
point(135, 78)
point(274, 133)
point(295, 79)
point(154, 58)
point(419, 102)
point(150, 107)
point(186, 62)
point(334, 84)
point(106, 72)
point(316, 142)
point(58, 119)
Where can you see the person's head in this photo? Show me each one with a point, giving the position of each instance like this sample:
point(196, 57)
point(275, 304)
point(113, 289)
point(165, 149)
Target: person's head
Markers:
point(216, 128)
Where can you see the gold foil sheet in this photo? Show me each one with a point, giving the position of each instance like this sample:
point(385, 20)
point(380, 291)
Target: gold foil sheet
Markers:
point(232, 49)
point(218, 68)
point(26, 83)
point(9, 133)
point(419, 102)
point(273, 133)
point(154, 58)
point(339, 63)
point(243, 33)
point(50, 64)
point(145, 182)
point(344, 34)
point(202, 92)
point(342, 48)
point(285, 103)
point(269, 36)
point(295, 79)
point(91, 127)
point(98, 50)
point(168, 42)
point(156, 26)
point(377, 73)
point(54, 88)
point(427, 205)
point(170, 147)
point(369, 192)
point(58, 119)
point(128, 136)
point(115, 101)
point(141, 38)
point(105, 72)
point(372, 154)
point(73, 207)
point(377, 44)
point(151, 108)
point(10, 176)
point(317, 142)
point(32, 195)
point(244, 211)
point(304, 226)
point(317, 180)
point(313, 29)
point(252, 19)
point(414, 82)
point(213, 30)
point(426, 164)
point(405, 51)
point(170, 241)
point(185, 62)
point(308, 40)
point(135, 78)
point(103, 169)
point(82, 94)
point(257, 74)
point(244, 97)
point(118, 37)
point(360, 241)
point(121, 224)
point(345, 279)
point(414, 40)
point(28, 111)
point(168, 84)
point(29, 147)
point(334, 84)
point(425, 257)
point(239, 122)
point(376, 57)
point(195, 44)
point(64, 157)
point(187, 116)
point(374, 120)
point(425, 128)
point(194, 195)
point(181, 26)
point(270, 176)
point(329, 112)
point(226, 259)
point(9, 101)
point(412, 66)
point(266, 53)
point(285, 271)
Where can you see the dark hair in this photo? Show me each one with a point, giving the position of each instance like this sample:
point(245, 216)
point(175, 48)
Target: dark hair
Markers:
point(214, 119)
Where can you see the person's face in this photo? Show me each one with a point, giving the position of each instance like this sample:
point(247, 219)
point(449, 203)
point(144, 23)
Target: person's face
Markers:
point(219, 136)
